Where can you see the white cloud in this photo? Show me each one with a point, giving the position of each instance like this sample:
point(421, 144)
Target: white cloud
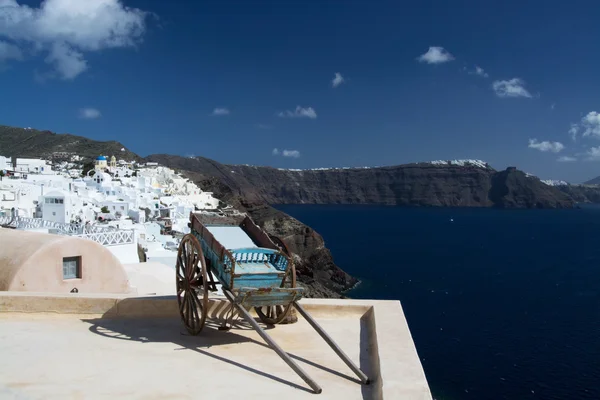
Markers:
point(299, 112)
point(435, 55)
point(68, 62)
point(552, 106)
point(291, 153)
point(263, 126)
point(9, 51)
point(479, 71)
point(566, 159)
point(510, 88)
point(593, 154)
point(220, 111)
point(554, 147)
point(65, 29)
point(337, 80)
point(286, 153)
point(89, 113)
point(588, 126)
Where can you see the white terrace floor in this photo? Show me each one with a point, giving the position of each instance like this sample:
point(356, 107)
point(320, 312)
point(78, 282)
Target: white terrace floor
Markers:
point(87, 356)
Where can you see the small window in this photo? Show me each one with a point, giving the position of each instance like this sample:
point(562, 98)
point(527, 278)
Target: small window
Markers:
point(60, 201)
point(72, 268)
point(54, 213)
point(122, 207)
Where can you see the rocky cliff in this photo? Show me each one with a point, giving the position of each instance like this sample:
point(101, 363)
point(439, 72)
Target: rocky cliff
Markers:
point(582, 193)
point(253, 188)
point(406, 185)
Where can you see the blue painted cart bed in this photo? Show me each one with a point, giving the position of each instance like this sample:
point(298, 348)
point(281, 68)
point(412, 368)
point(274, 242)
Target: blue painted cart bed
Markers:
point(254, 270)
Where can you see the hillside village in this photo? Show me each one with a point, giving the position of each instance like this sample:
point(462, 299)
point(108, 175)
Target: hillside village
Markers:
point(139, 211)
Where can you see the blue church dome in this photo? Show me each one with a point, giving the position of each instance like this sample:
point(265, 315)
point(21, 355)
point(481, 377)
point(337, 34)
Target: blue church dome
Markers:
point(101, 158)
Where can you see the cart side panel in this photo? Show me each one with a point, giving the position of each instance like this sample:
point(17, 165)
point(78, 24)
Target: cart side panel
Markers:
point(221, 260)
point(258, 281)
point(218, 262)
point(268, 297)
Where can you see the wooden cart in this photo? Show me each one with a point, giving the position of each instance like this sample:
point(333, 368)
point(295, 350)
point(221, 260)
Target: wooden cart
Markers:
point(253, 271)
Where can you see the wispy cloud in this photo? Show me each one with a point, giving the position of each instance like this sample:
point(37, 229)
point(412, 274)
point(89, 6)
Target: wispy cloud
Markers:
point(299, 112)
point(552, 106)
point(286, 153)
point(89, 113)
point(554, 147)
point(64, 30)
point(593, 154)
point(263, 126)
point(337, 80)
point(588, 126)
point(9, 51)
point(436, 55)
point(479, 71)
point(510, 88)
point(566, 159)
point(220, 111)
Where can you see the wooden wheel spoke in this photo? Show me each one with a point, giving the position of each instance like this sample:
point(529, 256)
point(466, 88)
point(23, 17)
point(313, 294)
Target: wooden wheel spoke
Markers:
point(183, 302)
point(192, 293)
point(180, 277)
point(194, 305)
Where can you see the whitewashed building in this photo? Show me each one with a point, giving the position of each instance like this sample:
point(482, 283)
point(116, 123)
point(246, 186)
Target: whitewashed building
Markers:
point(5, 163)
point(61, 206)
point(33, 165)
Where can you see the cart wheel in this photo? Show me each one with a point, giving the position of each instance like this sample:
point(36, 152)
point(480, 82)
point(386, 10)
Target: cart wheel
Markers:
point(272, 315)
point(192, 290)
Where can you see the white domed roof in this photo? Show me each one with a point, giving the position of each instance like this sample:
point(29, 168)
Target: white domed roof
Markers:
point(102, 177)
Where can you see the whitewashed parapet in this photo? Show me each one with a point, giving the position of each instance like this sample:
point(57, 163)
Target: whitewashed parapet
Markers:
point(113, 238)
point(100, 234)
point(62, 228)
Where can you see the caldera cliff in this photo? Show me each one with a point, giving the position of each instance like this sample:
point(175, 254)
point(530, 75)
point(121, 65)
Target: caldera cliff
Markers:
point(253, 189)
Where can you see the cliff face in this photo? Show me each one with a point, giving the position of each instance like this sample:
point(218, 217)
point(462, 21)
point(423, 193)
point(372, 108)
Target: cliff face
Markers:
point(407, 185)
point(582, 193)
point(253, 188)
point(514, 189)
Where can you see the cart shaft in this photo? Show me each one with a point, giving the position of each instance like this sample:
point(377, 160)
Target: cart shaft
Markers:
point(331, 343)
point(244, 313)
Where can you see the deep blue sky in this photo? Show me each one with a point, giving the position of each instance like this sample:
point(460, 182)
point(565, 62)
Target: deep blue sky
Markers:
point(259, 58)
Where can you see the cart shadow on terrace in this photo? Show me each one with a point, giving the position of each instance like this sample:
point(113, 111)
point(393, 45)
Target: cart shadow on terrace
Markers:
point(170, 330)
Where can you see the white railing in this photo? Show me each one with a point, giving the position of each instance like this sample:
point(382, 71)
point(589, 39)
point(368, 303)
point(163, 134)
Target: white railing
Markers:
point(62, 228)
point(114, 238)
point(106, 236)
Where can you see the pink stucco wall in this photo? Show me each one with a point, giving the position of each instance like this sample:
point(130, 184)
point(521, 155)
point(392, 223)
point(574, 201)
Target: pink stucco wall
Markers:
point(31, 261)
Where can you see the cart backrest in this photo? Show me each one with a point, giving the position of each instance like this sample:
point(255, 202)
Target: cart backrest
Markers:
point(257, 235)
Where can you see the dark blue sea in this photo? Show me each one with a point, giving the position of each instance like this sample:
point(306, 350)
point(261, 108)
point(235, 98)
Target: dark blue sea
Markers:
point(502, 304)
